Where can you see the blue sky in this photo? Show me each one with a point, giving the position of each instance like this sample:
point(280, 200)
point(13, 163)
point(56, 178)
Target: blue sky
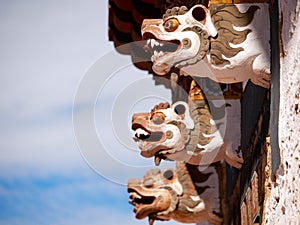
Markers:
point(46, 176)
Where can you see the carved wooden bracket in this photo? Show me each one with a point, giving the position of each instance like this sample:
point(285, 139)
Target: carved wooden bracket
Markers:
point(187, 194)
point(227, 43)
point(210, 45)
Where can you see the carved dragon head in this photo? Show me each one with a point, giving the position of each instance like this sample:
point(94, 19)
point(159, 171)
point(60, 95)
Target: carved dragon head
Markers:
point(171, 194)
point(182, 34)
point(185, 37)
point(176, 132)
point(164, 130)
point(156, 193)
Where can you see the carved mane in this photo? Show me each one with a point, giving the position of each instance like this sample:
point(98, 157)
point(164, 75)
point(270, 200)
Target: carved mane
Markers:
point(188, 186)
point(225, 17)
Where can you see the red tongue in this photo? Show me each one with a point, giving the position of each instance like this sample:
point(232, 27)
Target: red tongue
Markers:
point(151, 220)
point(157, 160)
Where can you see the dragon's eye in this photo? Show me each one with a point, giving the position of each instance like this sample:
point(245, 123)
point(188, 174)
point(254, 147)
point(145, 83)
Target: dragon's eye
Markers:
point(171, 25)
point(168, 174)
point(180, 109)
point(158, 118)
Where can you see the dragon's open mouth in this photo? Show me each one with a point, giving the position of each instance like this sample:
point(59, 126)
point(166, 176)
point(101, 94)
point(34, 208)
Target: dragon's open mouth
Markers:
point(158, 47)
point(141, 133)
point(139, 201)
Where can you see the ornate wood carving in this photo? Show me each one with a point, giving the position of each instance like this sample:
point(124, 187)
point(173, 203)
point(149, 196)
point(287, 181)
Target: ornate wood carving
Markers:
point(187, 194)
point(227, 43)
point(219, 15)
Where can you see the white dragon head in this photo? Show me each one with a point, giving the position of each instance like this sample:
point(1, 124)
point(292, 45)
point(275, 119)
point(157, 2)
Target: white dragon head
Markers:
point(227, 43)
point(184, 132)
point(156, 193)
point(163, 130)
point(182, 34)
point(171, 194)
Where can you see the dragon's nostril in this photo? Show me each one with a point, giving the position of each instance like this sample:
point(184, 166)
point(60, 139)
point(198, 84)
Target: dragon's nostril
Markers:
point(149, 182)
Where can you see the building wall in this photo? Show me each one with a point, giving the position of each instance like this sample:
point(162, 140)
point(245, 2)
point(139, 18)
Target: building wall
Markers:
point(282, 205)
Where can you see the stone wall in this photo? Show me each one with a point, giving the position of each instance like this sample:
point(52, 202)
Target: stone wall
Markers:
point(282, 205)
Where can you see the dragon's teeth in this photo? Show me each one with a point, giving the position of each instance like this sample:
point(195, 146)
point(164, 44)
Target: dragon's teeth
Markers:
point(156, 54)
point(170, 151)
point(160, 53)
point(140, 132)
point(152, 43)
point(161, 44)
point(134, 196)
point(148, 41)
